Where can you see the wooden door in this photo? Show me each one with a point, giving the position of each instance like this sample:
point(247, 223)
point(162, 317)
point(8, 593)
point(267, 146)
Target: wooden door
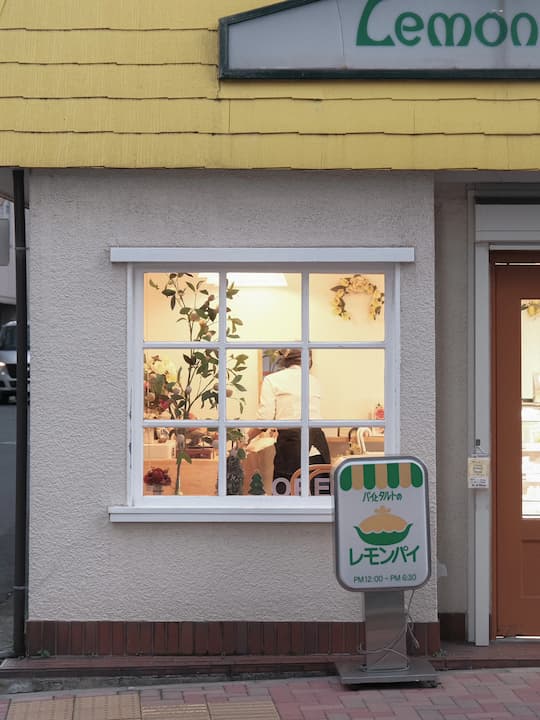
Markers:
point(516, 442)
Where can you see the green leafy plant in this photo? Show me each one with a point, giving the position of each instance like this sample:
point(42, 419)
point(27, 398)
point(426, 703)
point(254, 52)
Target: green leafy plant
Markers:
point(180, 391)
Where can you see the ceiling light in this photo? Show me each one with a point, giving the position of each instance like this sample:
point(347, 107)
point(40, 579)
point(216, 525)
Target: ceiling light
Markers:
point(249, 279)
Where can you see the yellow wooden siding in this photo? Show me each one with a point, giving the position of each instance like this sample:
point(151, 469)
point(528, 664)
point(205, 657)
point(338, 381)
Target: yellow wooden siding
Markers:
point(49, 82)
point(268, 117)
point(422, 152)
point(399, 90)
point(116, 116)
point(119, 14)
point(397, 117)
point(132, 84)
point(125, 47)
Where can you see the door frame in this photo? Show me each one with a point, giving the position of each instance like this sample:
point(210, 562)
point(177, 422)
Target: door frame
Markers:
point(501, 223)
point(510, 257)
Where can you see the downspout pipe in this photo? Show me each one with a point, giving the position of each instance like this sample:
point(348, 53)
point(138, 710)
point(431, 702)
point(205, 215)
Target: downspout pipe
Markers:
point(22, 398)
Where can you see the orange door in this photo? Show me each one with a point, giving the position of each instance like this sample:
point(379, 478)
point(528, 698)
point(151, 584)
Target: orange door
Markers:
point(516, 442)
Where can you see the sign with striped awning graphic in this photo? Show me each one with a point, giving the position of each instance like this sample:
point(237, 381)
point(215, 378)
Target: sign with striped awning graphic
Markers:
point(381, 523)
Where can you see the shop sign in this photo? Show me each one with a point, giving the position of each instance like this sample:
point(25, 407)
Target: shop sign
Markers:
point(383, 38)
point(381, 523)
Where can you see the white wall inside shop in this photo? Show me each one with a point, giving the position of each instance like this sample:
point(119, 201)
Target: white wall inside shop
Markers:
point(530, 362)
point(83, 567)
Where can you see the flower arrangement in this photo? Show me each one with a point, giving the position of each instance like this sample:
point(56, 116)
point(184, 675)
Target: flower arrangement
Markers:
point(158, 374)
point(157, 476)
point(353, 285)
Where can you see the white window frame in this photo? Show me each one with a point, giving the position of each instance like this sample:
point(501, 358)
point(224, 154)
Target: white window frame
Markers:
point(304, 508)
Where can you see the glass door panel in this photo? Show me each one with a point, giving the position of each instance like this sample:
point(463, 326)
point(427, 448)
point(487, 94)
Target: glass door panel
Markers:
point(530, 409)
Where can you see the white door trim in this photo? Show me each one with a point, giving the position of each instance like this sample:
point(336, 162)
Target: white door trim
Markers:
point(496, 226)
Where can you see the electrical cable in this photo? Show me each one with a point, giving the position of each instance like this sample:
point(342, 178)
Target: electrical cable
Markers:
point(387, 649)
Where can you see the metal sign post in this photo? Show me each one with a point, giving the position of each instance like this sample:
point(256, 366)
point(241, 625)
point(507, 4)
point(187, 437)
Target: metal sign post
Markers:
point(382, 548)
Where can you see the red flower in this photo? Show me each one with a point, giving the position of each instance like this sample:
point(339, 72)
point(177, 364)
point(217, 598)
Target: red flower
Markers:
point(157, 476)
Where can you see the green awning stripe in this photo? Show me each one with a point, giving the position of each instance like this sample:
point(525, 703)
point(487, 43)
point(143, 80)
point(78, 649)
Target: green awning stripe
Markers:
point(345, 479)
point(364, 476)
point(392, 471)
point(417, 476)
point(369, 477)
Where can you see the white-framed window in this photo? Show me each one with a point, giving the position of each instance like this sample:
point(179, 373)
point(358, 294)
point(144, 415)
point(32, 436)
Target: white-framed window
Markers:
point(249, 376)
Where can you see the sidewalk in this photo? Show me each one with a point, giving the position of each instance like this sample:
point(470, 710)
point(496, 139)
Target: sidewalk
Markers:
point(512, 693)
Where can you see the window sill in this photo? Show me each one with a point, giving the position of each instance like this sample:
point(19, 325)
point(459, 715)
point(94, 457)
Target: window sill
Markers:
point(237, 510)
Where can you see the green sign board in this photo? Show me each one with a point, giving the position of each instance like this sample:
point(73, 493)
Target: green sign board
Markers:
point(381, 523)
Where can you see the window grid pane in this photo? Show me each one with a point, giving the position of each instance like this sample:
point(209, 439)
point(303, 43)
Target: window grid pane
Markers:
point(222, 339)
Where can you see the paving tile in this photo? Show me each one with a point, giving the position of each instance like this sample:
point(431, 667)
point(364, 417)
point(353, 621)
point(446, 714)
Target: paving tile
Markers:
point(353, 700)
point(235, 689)
point(359, 714)
point(124, 706)
point(175, 712)
point(193, 697)
point(313, 714)
point(430, 715)
point(289, 711)
point(51, 709)
point(258, 691)
point(514, 709)
point(327, 697)
point(281, 693)
point(179, 696)
point(260, 710)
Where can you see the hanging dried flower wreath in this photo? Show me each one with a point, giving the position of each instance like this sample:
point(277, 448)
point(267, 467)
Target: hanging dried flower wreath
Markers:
point(353, 285)
point(532, 307)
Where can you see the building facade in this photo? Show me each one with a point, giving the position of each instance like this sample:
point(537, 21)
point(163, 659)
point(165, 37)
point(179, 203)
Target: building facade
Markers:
point(196, 208)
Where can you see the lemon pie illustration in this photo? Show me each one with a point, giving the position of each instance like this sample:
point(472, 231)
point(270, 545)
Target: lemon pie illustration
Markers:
point(383, 528)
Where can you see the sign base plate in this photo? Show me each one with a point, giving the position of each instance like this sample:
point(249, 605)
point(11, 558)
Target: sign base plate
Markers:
point(356, 673)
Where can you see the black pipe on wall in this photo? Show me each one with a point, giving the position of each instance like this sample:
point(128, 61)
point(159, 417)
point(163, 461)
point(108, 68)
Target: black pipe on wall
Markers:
point(21, 458)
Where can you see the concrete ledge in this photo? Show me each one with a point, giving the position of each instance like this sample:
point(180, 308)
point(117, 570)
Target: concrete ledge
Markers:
point(501, 654)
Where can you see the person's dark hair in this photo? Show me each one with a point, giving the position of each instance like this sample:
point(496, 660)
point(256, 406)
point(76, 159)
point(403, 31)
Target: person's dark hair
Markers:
point(291, 356)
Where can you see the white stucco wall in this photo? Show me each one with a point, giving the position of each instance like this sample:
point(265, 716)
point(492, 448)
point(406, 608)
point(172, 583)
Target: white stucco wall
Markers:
point(82, 567)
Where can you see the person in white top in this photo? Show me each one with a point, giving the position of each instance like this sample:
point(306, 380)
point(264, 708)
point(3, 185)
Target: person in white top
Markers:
point(280, 399)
